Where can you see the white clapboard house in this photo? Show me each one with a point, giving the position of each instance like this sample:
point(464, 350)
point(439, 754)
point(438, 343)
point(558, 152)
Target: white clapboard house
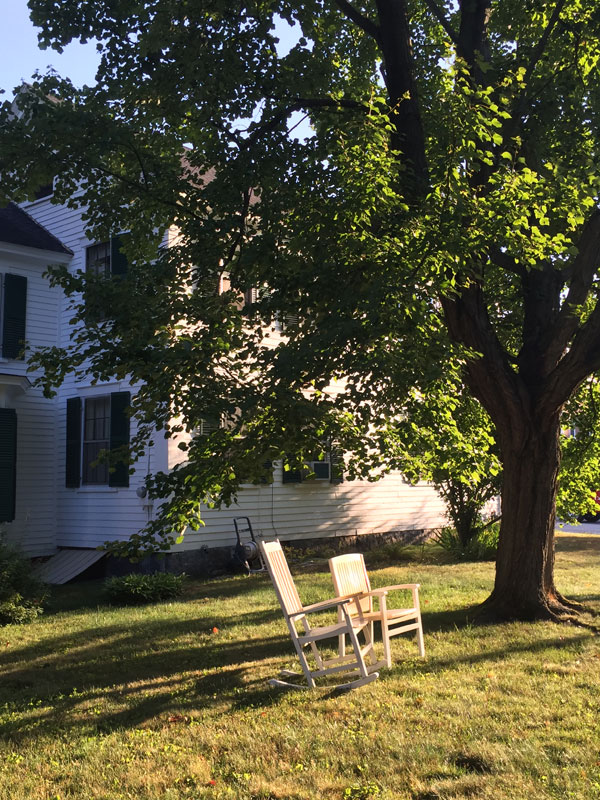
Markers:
point(54, 500)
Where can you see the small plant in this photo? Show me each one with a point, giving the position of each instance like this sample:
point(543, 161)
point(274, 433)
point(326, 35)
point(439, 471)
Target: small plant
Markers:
point(21, 594)
point(138, 588)
point(396, 551)
point(366, 791)
point(482, 546)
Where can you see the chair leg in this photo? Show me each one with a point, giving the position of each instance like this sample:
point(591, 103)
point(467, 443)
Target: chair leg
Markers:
point(368, 632)
point(305, 668)
point(385, 635)
point(302, 658)
point(341, 637)
point(313, 647)
point(360, 662)
point(420, 640)
point(317, 655)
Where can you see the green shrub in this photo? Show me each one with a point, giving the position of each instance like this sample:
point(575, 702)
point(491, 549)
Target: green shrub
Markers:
point(397, 551)
point(482, 546)
point(138, 588)
point(21, 594)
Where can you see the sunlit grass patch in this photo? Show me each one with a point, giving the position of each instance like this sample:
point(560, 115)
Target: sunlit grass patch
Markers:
point(171, 700)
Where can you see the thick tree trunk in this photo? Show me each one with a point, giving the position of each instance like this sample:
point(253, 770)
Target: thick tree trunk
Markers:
point(524, 587)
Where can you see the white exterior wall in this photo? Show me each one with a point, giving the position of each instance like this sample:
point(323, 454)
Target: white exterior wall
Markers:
point(90, 515)
point(314, 509)
point(34, 526)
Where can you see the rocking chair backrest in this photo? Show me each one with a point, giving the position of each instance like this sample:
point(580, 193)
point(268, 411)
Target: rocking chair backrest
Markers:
point(281, 577)
point(349, 577)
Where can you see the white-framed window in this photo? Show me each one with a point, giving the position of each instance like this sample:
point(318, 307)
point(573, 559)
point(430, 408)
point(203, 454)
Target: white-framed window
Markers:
point(94, 424)
point(97, 259)
point(105, 259)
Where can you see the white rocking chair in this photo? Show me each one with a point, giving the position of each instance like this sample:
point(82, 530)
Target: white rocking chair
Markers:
point(294, 612)
point(350, 578)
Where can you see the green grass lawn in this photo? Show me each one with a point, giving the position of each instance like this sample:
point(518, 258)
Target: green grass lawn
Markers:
point(149, 702)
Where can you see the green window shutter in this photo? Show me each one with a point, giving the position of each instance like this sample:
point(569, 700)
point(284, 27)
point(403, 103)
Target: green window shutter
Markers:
point(8, 463)
point(14, 314)
point(119, 436)
point(268, 475)
point(73, 462)
point(118, 259)
point(336, 458)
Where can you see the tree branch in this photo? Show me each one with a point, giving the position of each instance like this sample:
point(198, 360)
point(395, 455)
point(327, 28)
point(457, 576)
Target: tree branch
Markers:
point(580, 361)
point(443, 20)
point(538, 52)
point(408, 136)
point(585, 266)
point(359, 19)
point(238, 240)
point(489, 375)
point(300, 104)
point(505, 261)
point(472, 36)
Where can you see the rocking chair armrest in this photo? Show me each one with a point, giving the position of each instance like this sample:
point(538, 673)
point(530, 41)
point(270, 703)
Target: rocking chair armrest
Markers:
point(411, 586)
point(371, 593)
point(323, 605)
point(344, 599)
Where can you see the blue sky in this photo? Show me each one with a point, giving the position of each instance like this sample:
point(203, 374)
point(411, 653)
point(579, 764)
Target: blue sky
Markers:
point(20, 55)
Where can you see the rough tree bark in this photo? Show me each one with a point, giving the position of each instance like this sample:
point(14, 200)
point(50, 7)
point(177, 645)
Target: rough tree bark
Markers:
point(524, 586)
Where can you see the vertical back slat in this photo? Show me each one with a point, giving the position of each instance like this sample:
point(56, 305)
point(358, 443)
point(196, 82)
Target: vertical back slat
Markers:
point(281, 577)
point(350, 576)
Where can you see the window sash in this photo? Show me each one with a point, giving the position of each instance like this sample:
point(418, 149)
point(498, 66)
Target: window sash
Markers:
point(97, 259)
point(96, 437)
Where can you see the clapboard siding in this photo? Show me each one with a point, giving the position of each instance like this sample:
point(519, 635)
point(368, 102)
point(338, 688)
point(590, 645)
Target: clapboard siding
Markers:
point(88, 517)
point(34, 526)
point(303, 511)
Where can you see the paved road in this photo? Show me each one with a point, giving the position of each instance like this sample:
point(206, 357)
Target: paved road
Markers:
point(584, 527)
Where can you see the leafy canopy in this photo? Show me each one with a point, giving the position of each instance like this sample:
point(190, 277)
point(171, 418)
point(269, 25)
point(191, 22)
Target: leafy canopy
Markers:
point(433, 167)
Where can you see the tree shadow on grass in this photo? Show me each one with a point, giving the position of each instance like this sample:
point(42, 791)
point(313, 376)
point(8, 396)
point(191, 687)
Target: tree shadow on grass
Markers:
point(499, 653)
point(159, 671)
point(89, 595)
point(118, 677)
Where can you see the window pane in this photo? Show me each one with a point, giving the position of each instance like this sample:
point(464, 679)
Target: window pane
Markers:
point(97, 259)
point(96, 437)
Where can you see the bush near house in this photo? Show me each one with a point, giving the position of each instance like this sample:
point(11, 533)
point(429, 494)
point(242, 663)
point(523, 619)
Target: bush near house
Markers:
point(137, 588)
point(22, 595)
point(482, 546)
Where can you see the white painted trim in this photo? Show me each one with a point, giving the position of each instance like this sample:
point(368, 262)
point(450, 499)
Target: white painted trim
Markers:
point(97, 488)
point(34, 253)
point(11, 386)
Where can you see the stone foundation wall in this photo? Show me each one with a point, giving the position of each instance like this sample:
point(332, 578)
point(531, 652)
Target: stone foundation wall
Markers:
point(208, 562)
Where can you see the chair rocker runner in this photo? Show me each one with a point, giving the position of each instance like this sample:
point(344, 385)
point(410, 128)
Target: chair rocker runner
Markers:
point(350, 578)
point(296, 614)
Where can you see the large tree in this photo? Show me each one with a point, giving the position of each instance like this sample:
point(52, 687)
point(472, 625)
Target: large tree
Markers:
point(438, 223)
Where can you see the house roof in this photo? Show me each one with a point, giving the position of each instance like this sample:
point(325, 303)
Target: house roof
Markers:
point(17, 227)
